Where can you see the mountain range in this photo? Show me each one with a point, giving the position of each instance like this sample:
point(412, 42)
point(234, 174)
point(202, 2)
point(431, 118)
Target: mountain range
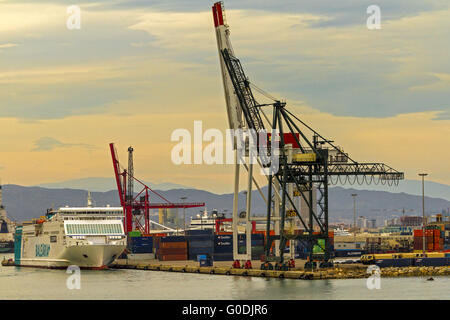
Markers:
point(101, 184)
point(23, 203)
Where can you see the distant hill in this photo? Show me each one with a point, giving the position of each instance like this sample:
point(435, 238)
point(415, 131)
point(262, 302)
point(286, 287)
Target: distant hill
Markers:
point(99, 184)
point(413, 187)
point(24, 203)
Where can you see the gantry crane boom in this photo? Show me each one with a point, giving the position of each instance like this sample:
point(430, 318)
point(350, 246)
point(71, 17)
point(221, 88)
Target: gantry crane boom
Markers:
point(307, 169)
point(234, 110)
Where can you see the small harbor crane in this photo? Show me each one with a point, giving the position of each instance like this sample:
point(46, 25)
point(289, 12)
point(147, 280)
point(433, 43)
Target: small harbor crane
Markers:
point(137, 205)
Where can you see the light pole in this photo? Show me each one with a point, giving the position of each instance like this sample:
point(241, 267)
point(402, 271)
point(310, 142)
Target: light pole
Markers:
point(423, 175)
point(184, 214)
point(246, 195)
point(354, 216)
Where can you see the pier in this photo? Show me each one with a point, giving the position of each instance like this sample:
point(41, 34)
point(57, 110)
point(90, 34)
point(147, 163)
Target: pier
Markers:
point(356, 271)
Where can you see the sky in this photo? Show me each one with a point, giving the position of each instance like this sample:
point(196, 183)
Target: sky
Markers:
point(137, 70)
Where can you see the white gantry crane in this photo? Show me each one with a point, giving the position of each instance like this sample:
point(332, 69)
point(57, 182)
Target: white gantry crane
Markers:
point(236, 122)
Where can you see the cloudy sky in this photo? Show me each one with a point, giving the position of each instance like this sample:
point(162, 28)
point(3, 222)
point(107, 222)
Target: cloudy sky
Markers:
point(139, 69)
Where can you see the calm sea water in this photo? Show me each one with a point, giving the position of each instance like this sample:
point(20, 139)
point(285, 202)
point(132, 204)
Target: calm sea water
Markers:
point(31, 283)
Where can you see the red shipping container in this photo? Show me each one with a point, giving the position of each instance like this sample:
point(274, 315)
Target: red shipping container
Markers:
point(160, 234)
point(230, 233)
point(172, 257)
point(172, 251)
point(173, 245)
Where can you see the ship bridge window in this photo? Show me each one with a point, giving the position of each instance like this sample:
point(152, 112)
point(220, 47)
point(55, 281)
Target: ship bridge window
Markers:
point(94, 229)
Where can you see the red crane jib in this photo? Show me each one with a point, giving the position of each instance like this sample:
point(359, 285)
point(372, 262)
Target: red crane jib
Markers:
point(168, 205)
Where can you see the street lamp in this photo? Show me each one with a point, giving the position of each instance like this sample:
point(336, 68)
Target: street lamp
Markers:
point(354, 216)
point(423, 175)
point(184, 214)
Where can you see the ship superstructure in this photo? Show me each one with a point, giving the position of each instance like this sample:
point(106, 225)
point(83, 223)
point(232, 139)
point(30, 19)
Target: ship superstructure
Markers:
point(6, 229)
point(88, 237)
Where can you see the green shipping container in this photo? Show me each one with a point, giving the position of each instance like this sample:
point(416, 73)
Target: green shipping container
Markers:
point(256, 250)
point(134, 234)
point(319, 248)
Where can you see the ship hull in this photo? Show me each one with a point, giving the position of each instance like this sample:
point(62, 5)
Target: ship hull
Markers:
point(84, 257)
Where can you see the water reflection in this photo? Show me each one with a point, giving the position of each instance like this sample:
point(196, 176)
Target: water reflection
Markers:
point(30, 283)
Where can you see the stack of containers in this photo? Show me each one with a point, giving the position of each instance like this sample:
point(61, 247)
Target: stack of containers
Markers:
point(223, 248)
point(301, 250)
point(200, 242)
point(138, 244)
point(257, 245)
point(173, 248)
point(447, 239)
point(331, 237)
point(433, 240)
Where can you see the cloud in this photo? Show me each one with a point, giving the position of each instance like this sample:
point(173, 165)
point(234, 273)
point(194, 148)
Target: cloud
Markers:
point(8, 45)
point(48, 143)
point(343, 69)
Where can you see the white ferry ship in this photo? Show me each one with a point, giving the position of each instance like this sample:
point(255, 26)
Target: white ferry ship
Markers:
point(205, 221)
point(88, 237)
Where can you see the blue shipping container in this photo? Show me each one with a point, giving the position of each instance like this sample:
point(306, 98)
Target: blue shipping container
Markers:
point(201, 244)
point(432, 262)
point(226, 237)
point(197, 251)
point(141, 240)
point(200, 232)
point(384, 263)
point(173, 239)
point(255, 236)
point(142, 250)
point(223, 244)
point(228, 249)
point(223, 257)
point(200, 238)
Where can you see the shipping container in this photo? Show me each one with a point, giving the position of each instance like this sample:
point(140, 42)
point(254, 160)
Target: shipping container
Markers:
point(223, 244)
point(172, 251)
point(172, 257)
point(219, 238)
point(402, 262)
point(173, 239)
point(223, 257)
point(342, 253)
point(201, 244)
point(200, 232)
point(169, 245)
point(193, 252)
point(227, 249)
point(141, 250)
point(140, 244)
point(432, 262)
point(133, 234)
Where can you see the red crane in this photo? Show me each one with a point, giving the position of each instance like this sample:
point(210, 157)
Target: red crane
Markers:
point(139, 204)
